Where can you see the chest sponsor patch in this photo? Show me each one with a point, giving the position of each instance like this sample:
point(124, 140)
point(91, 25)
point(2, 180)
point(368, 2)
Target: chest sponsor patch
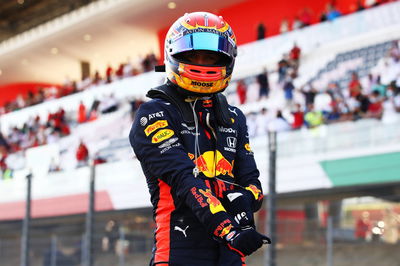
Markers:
point(161, 135)
point(168, 143)
point(156, 125)
point(154, 115)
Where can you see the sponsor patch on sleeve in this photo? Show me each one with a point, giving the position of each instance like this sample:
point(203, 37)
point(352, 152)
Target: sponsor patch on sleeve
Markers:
point(162, 135)
point(247, 147)
point(156, 125)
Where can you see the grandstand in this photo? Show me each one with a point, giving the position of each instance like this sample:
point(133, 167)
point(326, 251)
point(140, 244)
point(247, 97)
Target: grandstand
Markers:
point(328, 174)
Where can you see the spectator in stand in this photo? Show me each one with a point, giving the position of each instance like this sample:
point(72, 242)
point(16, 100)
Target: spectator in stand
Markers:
point(283, 66)
point(296, 23)
point(305, 17)
point(313, 118)
point(294, 56)
point(284, 27)
point(262, 79)
point(375, 107)
point(368, 82)
point(15, 139)
point(97, 78)
point(335, 91)
point(82, 155)
point(279, 123)
point(262, 122)
point(288, 89)
point(334, 115)
point(20, 101)
point(378, 86)
point(109, 73)
point(363, 227)
point(354, 86)
point(359, 106)
point(261, 31)
point(81, 113)
point(149, 62)
point(241, 91)
point(4, 143)
point(298, 117)
point(359, 6)
point(331, 12)
point(120, 71)
point(309, 93)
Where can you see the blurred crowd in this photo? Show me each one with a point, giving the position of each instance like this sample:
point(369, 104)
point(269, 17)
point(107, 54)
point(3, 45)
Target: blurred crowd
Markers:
point(376, 96)
point(123, 70)
point(36, 132)
point(306, 16)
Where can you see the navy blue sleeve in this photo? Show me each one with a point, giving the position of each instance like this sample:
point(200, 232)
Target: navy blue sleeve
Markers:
point(245, 168)
point(156, 143)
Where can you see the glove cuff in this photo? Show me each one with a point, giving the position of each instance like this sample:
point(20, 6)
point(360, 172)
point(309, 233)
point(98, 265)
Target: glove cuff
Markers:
point(255, 195)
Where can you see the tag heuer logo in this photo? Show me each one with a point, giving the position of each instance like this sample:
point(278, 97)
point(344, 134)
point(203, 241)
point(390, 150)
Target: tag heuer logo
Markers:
point(143, 121)
point(231, 142)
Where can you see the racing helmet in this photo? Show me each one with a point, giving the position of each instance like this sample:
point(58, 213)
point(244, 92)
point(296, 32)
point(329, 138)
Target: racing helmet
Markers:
point(200, 31)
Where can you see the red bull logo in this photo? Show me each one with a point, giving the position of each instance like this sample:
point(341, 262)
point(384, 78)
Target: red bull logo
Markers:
point(210, 168)
point(214, 203)
point(198, 197)
point(226, 230)
point(207, 103)
point(223, 228)
point(255, 191)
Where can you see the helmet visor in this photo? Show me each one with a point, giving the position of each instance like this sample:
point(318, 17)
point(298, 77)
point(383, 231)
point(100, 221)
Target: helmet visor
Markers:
point(203, 41)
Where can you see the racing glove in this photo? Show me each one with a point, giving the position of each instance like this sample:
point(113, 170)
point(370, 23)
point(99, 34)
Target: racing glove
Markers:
point(238, 204)
point(246, 240)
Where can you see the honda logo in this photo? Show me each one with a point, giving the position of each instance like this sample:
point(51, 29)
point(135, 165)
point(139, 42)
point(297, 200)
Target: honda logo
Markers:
point(231, 142)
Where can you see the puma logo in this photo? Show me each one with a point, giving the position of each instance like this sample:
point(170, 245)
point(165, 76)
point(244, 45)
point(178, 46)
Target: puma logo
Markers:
point(233, 111)
point(177, 228)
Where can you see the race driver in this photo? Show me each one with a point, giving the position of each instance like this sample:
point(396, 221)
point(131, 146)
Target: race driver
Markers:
point(194, 151)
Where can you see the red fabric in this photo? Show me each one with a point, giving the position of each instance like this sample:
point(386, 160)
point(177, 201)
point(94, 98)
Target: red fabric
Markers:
point(82, 152)
point(3, 165)
point(241, 91)
point(354, 88)
point(163, 218)
point(362, 228)
point(295, 53)
point(305, 17)
point(109, 71)
point(298, 120)
point(375, 107)
point(82, 113)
